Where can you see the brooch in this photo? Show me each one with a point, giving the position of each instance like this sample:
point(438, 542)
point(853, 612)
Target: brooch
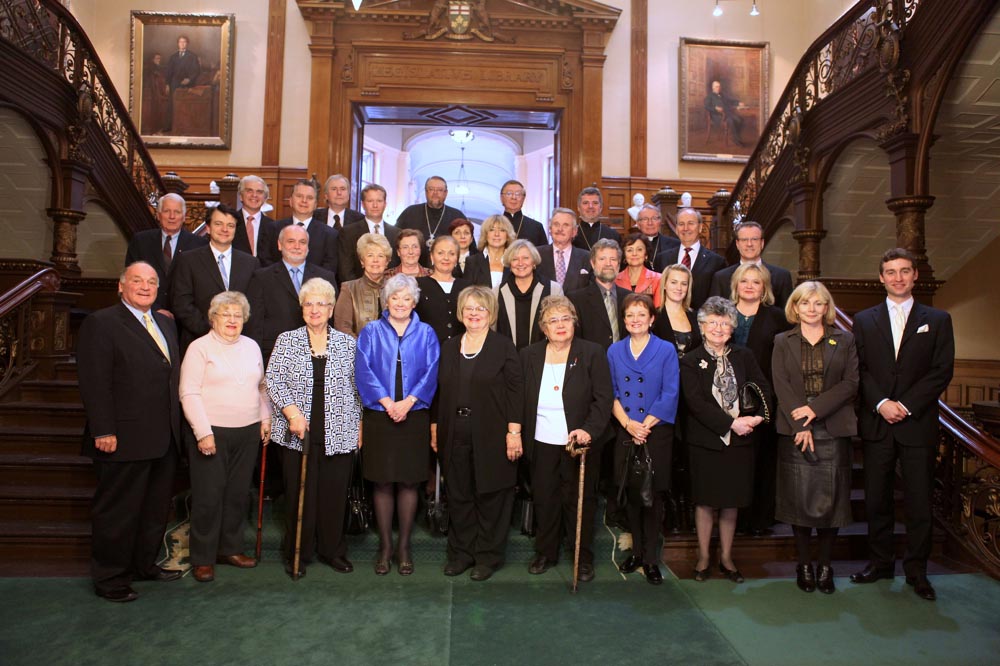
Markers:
point(833, 343)
point(703, 364)
point(572, 364)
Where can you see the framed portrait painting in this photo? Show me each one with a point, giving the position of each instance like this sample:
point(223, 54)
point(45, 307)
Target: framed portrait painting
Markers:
point(724, 101)
point(181, 79)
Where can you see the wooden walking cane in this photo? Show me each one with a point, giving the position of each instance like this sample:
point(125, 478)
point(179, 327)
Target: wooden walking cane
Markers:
point(302, 495)
point(260, 498)
point(579, 513)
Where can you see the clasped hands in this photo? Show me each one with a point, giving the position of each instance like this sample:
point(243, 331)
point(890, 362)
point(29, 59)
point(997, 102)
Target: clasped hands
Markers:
point(744, 425)
point(397, 409)
point(804, 438)
point(892, 411)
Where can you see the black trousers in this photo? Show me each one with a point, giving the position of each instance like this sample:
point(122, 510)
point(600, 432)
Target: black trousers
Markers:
point(479, 522)
point(129, 516)
point(917, 463)
point(219, 493)
point(760, 514)
point(324, 506)
point(555, 476)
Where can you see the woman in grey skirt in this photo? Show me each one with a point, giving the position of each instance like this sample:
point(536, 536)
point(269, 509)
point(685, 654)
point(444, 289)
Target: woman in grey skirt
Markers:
point(815, 372)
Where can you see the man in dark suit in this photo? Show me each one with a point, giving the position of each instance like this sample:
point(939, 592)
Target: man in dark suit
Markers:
point(182, 71)
point(373, 201)
point(322, 239)
point(906, 358)
point(431, 218)
point(704, 263)
point(595, 302)
point(750, 244)
point(129, 362)
point(649, 222)
point(561, 262)
point(160, 247)
point(589, 204)
point(337, 215)
point(721, 109)
point(206, 271)
point(512, 197)
point(256, 233)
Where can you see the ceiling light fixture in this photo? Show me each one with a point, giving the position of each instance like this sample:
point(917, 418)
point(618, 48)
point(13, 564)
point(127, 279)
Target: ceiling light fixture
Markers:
point(462, 186)
point(461, 136)
point(357, 4)
point(718, 10)
point(753, 10)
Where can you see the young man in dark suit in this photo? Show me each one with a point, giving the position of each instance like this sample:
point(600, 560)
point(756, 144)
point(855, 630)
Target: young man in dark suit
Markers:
point(906, 357)
point(704, 263)
point(575, 262)
point(129, 363)
point(160, 247)
point(322, 239)
point(206, 271)
point(750, 244)
point(256, 233)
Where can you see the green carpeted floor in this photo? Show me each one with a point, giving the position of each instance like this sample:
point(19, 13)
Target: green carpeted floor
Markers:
point(260, 617)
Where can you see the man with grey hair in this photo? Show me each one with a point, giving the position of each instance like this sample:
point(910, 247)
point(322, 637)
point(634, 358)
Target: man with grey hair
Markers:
point(512, 196)
point(256, 233)
point(561, 262)
point(589, 204)
point(159, 247)
point(337, 214)
point(750, 243)
point(649, 223)
point(702, 262)
point(598, 304)
point(430, 218)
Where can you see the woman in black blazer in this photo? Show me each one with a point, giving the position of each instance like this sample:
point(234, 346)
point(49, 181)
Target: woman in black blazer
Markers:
point(487, 266)
point(476, 430)
point(438, 305)
point(465, 235)
point(816, 378)
point(567, 397)
point(758, 320)
point(521, 294)
point(720, 441)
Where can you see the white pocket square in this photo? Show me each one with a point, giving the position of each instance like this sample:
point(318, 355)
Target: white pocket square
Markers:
point(584, 271)
point(923, 329)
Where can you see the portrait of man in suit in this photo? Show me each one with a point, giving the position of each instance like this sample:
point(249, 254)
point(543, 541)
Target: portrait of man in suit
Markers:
point(906, 358)
point(561, 261)
point(129, 362)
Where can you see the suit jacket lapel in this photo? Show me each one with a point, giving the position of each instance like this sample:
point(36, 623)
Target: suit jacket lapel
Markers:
point(139, 330)
point(883, 325)
point(829, 351)
point(914, 321)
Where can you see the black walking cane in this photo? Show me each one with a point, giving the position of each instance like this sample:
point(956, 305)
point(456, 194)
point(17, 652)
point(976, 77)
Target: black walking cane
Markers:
point(260, 498)
point(302, 495)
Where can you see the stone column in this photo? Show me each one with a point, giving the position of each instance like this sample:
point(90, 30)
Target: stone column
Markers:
point(721, 231)
point(809, 242)
point(910, 212)
point(64, 239)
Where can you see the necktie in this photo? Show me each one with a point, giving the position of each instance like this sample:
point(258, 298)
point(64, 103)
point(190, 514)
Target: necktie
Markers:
point(295, 279)
point(560, 267)
point(336, 222)
point(609, 305)
point(222, 269)
point(167, 254)
point(250, 234)
point(897, 330)
point(376, 229)
point(687, 257)
point(155, 335)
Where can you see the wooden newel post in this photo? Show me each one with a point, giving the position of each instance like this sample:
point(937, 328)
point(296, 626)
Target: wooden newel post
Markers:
point(721, 231)
point(666, 200)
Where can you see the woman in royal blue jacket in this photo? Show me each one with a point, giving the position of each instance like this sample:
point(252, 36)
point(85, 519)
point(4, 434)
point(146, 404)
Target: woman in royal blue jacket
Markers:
point(396, 373)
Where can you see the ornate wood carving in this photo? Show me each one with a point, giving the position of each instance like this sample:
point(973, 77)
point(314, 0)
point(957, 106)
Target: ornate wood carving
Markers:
point(274, 71)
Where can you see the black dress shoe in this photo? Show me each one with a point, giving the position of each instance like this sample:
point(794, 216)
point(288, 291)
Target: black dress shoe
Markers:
point(585, 573)
point(631, 564)
point(652, 573)
point(540, 565)
point(805, 577)
point(872, 573)
point(119, 595)
point(162, 575)
point(341, 565)
point(732, 574)
point(481, 572)
point(824, 579)
point(701, 575)
point(922, 587)
point(456, 568)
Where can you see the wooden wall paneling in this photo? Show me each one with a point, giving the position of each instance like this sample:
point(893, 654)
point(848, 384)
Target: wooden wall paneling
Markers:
point(974, 380)
point(274, 74)
point(619, 190)
point(638, 87)
point(279, 179)
point(325, 102)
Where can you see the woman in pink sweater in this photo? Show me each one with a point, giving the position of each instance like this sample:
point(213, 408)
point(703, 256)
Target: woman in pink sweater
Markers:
point(222, 392)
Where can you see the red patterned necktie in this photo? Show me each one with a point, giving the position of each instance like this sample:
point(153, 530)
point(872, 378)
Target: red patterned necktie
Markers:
point(687, 258)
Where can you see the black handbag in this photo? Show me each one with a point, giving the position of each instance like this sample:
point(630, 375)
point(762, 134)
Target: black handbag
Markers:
point(437, 508)
point(752, 402)
point(359, 508)
point(524, 509)
point(636, 475)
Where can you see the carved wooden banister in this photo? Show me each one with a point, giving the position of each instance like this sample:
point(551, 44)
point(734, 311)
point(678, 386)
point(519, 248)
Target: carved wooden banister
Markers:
point(46, 31)
point(840, 55)
point(15, 324)
point(966, 497)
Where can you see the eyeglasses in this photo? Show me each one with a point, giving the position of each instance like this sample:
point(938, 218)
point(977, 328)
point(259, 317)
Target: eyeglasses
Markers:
point(316, 304)
point(513, 195)
point(479, 309)
point(717, 324)
point(554, 321)
point(230, 315)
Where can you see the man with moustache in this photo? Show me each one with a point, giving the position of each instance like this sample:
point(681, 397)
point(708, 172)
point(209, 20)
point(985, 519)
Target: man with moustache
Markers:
point(649, 222)
point(589, 204)
point(256, 233)
point(431, 218)
point(561, 262)
point(704, 263)
point(373, 201)
point(322, 239)
point(337, 214)
point(512, 196)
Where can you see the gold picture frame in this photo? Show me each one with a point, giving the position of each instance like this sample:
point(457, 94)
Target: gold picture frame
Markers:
point(181, 93)
point(724, 98)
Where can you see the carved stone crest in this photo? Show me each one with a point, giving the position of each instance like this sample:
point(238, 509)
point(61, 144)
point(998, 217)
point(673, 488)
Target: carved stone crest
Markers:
point(459, 20)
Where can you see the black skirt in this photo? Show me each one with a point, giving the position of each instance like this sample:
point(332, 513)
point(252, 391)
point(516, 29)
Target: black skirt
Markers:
point(722, 479)
point(814, 495)
point(396, 452)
